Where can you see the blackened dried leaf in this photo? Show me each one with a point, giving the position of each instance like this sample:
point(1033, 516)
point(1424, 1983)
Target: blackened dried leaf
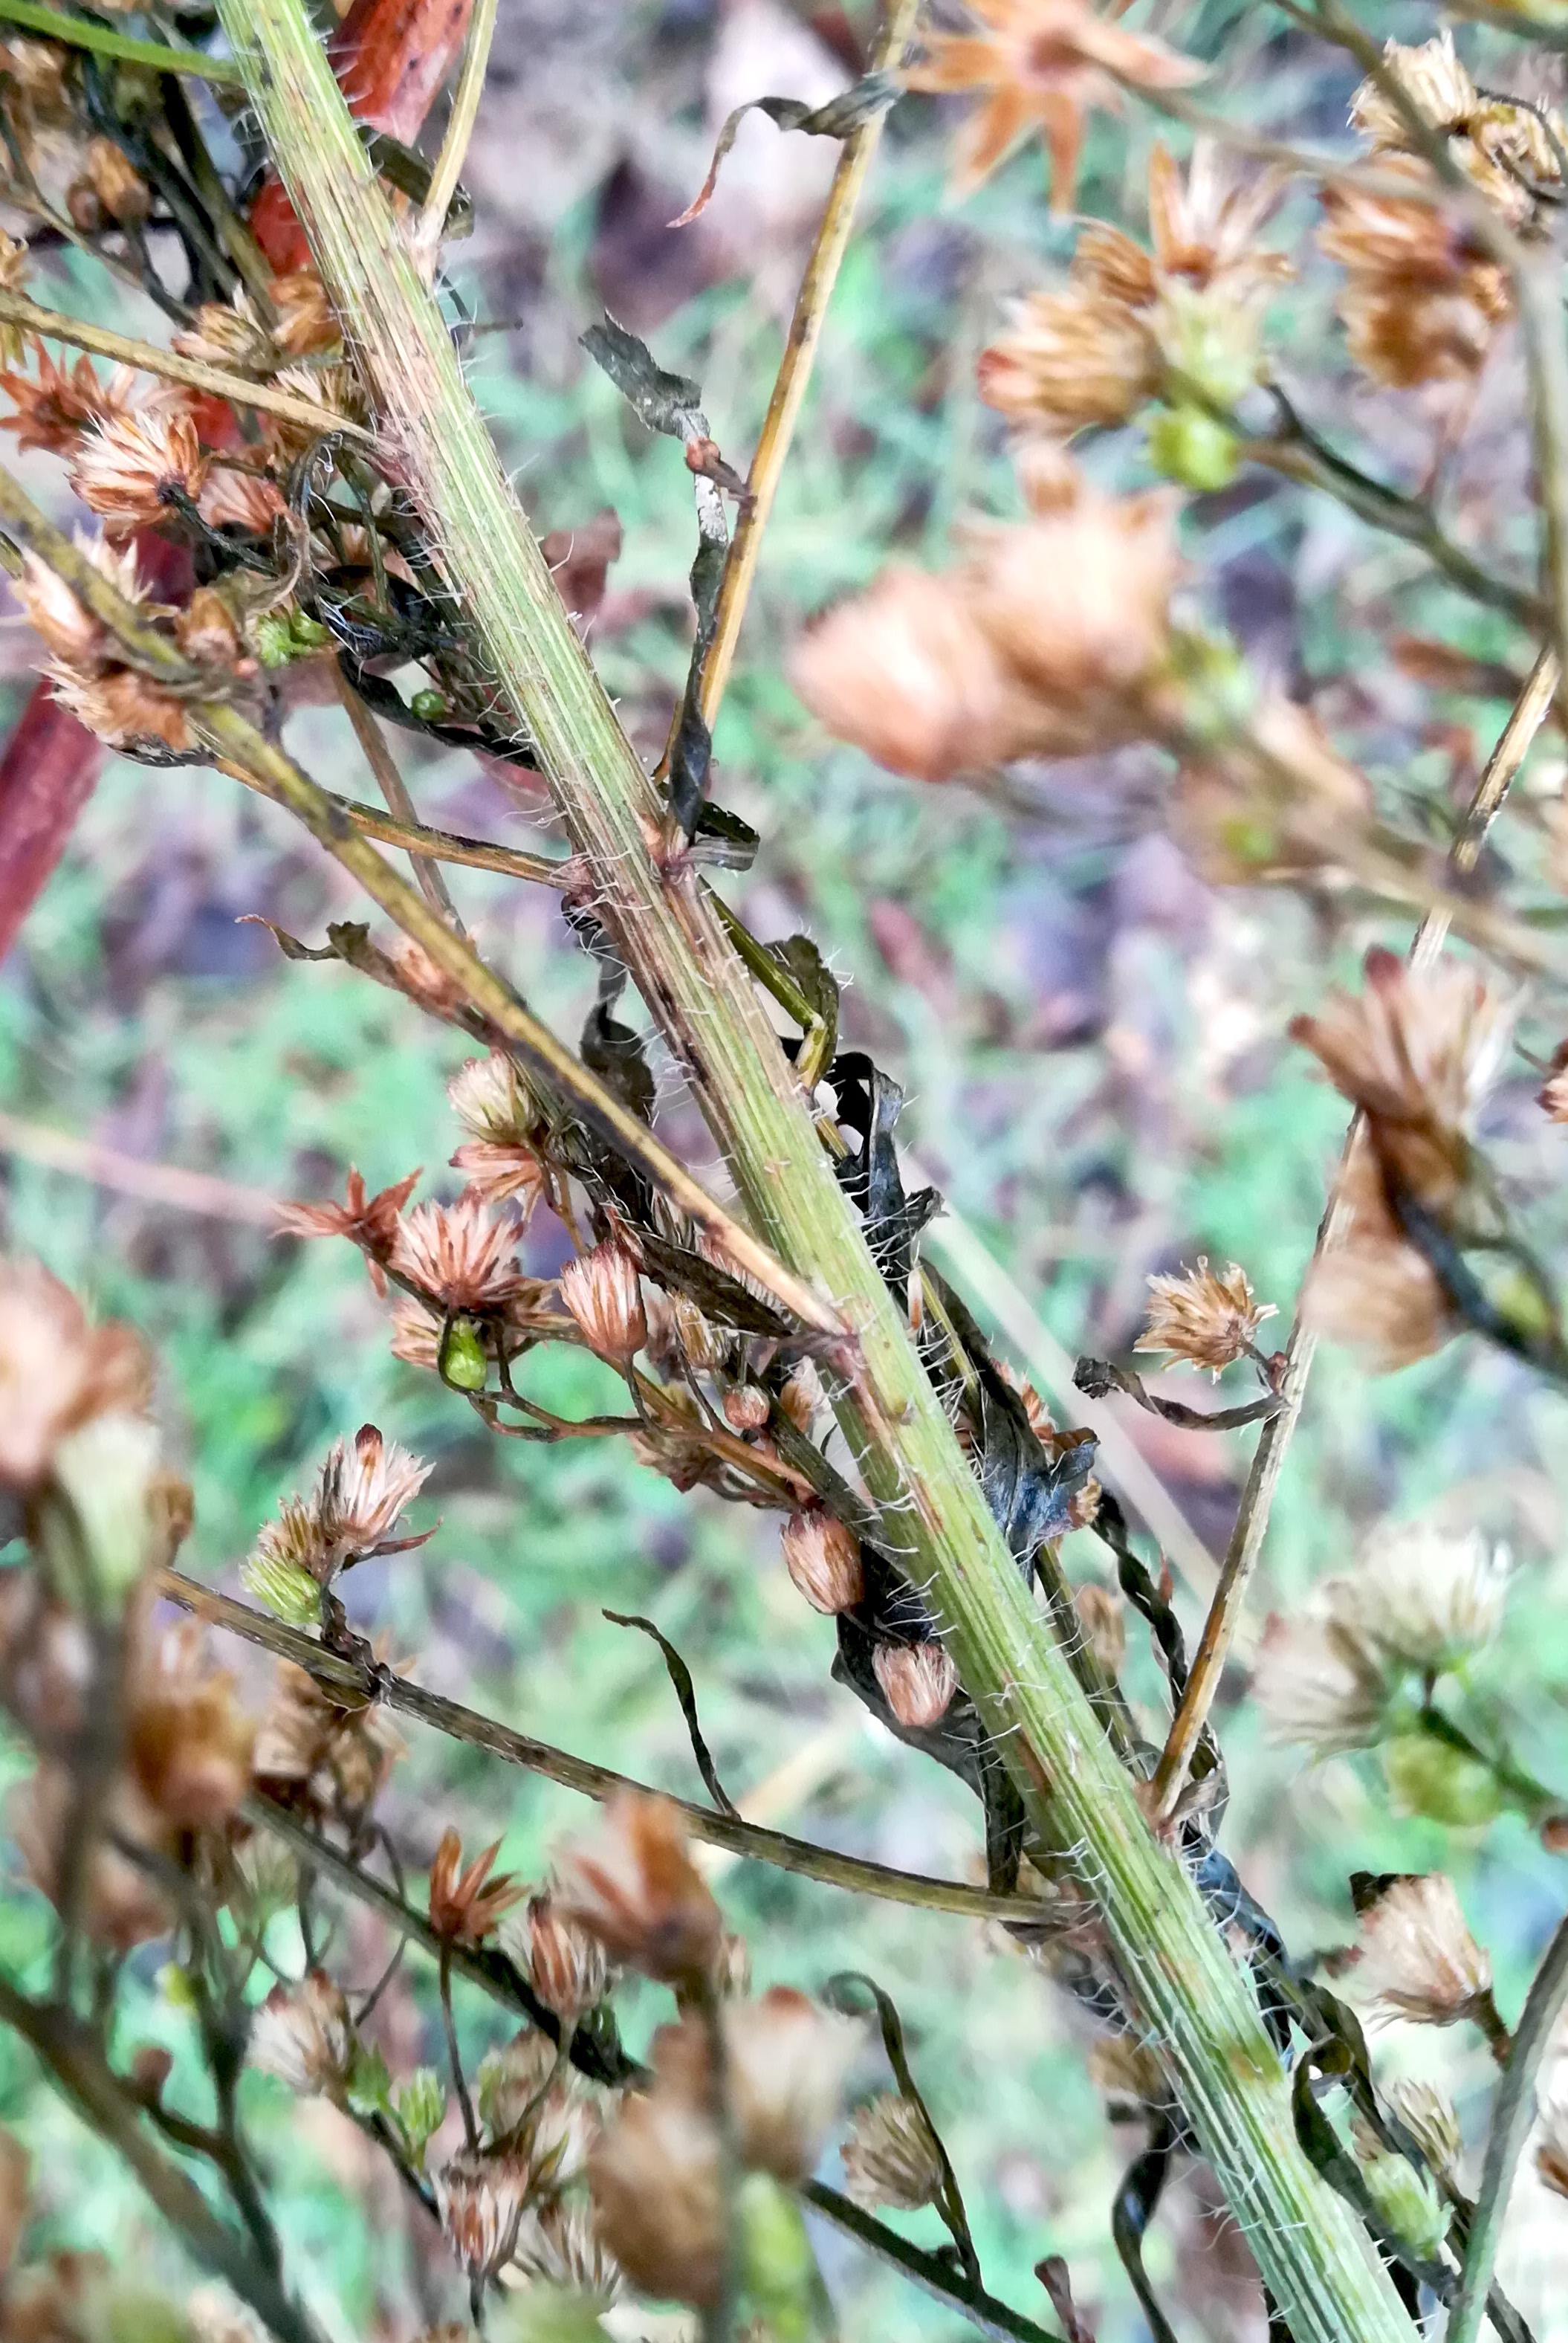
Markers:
point(815, 983)
point(669, 403)
point(617, 1056)
point(680, 1675)
point(722, 1298)
point(1096, 1377)
point(722, 841)
point(849, 111)
point(1142, 2186)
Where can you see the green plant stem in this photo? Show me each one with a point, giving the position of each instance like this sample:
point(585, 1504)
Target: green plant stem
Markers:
point(1180, 1976)
point(85, 33)
point(1511, 2118)
point(73, 2056)
point(448, 169)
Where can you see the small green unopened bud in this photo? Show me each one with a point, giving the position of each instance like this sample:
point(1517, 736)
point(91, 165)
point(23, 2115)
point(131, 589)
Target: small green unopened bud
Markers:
point(271, 641)
point(308, 633)
point(177, 1988)
point(540, 2313)
point(1526, 1307)
point(463, 1359)
point(289, 1593)
point(1218, 691)
point(369, 2087)
point(1426, 1777)
point(1407, 2201)
point(1187, 445)
point(430, 707)
point(419, 2104)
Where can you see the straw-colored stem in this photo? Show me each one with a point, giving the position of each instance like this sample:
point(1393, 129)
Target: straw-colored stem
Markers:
point(1179, 1972)
point(794, 374)
point(395, 789)
point(459, 130)
point(1246, 1543)
point(15, 310)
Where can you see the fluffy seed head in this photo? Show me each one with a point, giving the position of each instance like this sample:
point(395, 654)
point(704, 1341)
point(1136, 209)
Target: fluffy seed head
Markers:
point(1203, 1316)
point(890, 2157)
point(565, 1963)
point(603, 1292)
point(130, 467)
point(822, 1556)
point(654, 2176)
point(1427, 1598)
point(1416, 1958)
point(479, 2201)
point(1317, 1683)
point(918, 1681)
point(303, 2034)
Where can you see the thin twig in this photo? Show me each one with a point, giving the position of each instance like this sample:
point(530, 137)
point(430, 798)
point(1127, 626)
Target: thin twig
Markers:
point(794, 374)
point(749, 1840)
point(1512, 2116)
point(395, 789)
point(1528, 714)
point(86, 33)
point(459, 130)
point(16, 309)
point(419, 839)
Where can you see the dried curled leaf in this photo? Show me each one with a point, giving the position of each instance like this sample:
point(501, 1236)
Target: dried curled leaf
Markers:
point(839, 118)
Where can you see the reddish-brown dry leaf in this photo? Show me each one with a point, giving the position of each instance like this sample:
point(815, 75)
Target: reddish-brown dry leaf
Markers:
point(391, 57)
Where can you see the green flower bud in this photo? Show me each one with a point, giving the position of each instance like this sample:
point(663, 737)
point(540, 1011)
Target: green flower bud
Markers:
point(308, 633)
point(369, 2087)
point(1189, 447)
point(1426, 1777)
point(1407, 2201)
point(419, 2104)
point(271, 641)
point(289, 1593)
point(99, 1542)
point(540, 2313)
point(463, 1359)
point(430, 707)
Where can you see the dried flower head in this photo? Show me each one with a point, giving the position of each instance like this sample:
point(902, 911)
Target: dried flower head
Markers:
point(121, 1904)
point(786, 2060)
point(305, 327)
point(463, 1908)
point(1040, 64)
point(654, 2176)
point(1417, 1051)
point(126, 710)
point(891, 2156)
point(130, 468)
point(60, 402)
point(57, 1372)
point(1428, 1598)
point(71, 634)
point(479, 2202)
point(1505, 148)
point(1422, 299)
point(603, 1291)
point(564, 1962)
point(905, 672)
point(1371, 1288)
point(1317, 1683)
point(1429, 2117)
point(228, 335)
point(304, 2034)
point(531, 2100)
point(1208, 1319)
point(464, 1254)
point(633, 1884)
point(187, 1740)
point(1072, 358)
point(1416, 1958)
point(320, 1755)
point(1047, 642)
point(822, 1555)
point(558, 2244)
point(361, 1492)
point(492, 1100)
point(372, 1223)
point(918, 1681)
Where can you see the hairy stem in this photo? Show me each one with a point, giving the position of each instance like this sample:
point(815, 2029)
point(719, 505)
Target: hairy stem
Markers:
point(1180, 1974)
point(86, 33)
